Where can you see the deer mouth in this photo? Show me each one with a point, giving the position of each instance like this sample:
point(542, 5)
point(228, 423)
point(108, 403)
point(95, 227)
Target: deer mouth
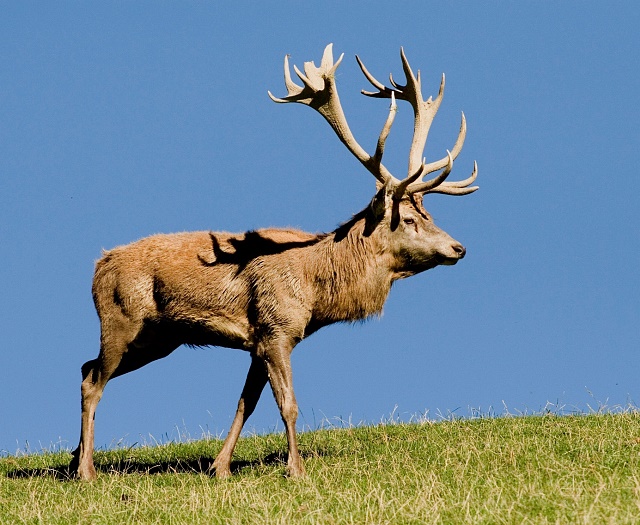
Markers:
point(439, 259)
point(448, 261)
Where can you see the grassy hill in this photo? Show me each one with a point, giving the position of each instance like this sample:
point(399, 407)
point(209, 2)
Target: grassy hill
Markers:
point(535, 469)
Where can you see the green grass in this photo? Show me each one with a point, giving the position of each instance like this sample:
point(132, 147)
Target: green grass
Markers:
point(534, 469)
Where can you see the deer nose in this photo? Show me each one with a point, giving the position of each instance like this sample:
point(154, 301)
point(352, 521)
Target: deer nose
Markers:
point(460, 250)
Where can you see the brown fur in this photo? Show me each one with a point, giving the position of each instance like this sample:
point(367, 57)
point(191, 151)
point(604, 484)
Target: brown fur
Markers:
point(261, 291)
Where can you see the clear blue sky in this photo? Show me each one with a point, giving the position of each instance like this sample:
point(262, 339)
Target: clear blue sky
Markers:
point(119, 120)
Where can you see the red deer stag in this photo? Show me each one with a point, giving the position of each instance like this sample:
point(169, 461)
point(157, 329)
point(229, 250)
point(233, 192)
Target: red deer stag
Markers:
point(266, 290)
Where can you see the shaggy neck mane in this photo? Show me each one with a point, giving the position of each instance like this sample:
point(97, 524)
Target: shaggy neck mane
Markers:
point(351, 278)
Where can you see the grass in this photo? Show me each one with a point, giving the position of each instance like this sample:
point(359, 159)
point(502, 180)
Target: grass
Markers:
point(533, 469)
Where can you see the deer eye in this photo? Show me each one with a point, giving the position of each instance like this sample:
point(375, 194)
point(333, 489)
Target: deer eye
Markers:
point(409, 220)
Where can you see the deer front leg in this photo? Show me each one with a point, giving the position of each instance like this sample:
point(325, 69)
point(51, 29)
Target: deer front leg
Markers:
point(277, 359)
point(253, 386)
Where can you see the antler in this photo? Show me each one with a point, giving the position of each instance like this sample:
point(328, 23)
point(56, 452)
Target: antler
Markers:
point(319, 91)
point(424, 113)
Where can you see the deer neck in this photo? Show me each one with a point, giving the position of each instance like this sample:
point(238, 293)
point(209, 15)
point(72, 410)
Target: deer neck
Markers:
point(353, 274)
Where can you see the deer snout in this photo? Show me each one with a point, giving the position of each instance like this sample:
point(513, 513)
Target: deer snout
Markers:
point(459, 250)
point(454, 252)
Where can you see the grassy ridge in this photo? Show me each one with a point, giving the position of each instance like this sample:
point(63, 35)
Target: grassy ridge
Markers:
point(537, 469)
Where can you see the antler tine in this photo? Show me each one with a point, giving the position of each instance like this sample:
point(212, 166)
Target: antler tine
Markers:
point(383, 91)
point(464, 183)
point(449, 188)
point(320, 93)
point(393, 109)
point(424, 111)
point(436, 181)
point(313, 82)
point(406, 184)
point(457, 148)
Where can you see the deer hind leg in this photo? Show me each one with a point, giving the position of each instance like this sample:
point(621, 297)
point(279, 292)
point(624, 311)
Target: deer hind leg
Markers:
point(253, 386)
point(82, 462)
point(95, 375)
point(126, 346)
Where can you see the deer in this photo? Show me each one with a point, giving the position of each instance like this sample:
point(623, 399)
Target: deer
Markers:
point(265, 290)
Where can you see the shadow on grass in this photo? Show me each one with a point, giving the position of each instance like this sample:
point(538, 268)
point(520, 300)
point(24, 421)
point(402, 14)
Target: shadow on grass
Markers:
point(132, 466)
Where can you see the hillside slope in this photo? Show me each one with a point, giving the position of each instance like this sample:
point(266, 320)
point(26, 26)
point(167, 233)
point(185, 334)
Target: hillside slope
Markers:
point(535, 469)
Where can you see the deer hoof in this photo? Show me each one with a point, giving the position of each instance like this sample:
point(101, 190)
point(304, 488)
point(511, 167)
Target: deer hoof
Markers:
point(296, 471)
point(86, 473)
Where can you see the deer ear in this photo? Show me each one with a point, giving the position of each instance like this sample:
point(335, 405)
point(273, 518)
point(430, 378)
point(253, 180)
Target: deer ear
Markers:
point(379, 203)
point(417, 201)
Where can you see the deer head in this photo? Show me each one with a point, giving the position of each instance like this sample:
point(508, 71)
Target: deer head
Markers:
point(398, 203)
